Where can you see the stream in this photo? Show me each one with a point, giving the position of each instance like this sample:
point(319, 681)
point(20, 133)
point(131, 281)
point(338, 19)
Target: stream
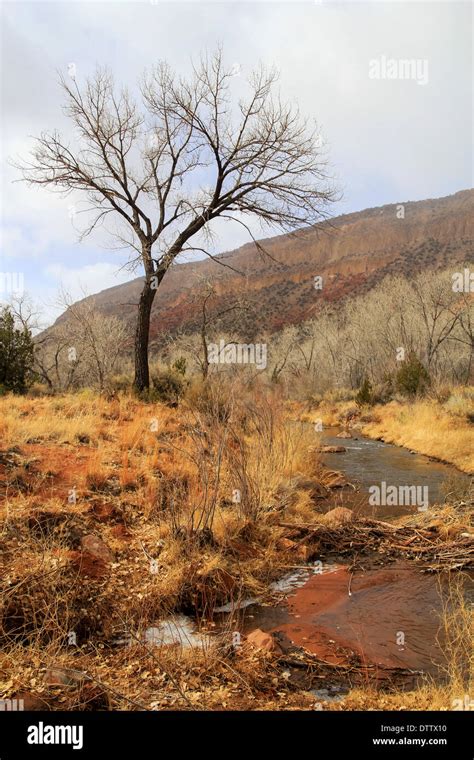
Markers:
point(367, 463)
point(389, 617)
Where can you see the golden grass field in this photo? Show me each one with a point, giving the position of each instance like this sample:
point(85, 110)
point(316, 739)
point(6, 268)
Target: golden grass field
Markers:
point(156, 487)
point(438, 429)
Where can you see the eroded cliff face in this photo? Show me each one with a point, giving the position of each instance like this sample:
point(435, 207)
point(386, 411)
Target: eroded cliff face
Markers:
point(351, 253)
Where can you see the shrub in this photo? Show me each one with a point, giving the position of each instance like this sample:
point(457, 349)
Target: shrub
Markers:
point(457, 487)
point(120, 383)
point(37, 390)
point(349, 414)
point(412, 378)
point(209, 398)
point(16, 354)
point(461, 404)
point(168, 386)
point(441, 393)
point(313, 400)
point(384, 391)
point(97, 480)
point(335, 395)
point(364, 394)
point(179, 365)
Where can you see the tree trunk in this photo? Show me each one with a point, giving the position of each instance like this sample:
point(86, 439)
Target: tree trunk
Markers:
point(152, 282)
point(142, 336)
point(205, 362)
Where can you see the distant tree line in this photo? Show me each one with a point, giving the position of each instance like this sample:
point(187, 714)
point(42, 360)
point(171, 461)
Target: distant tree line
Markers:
point(403, 336)
point(399, 329)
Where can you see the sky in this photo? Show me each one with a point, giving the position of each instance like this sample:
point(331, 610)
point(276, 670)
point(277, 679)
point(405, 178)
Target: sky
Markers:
point(392, 134)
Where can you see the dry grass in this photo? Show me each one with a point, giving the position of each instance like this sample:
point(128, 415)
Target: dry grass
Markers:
point(155, 485)
point(435, 427)
point(427, 427)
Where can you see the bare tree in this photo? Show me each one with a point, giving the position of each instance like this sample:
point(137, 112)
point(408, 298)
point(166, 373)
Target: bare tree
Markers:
point(211, 315)
point(28, 315)
point(284, 346)
point(464, 310)
point(433, 297)
point(26, 312)
point(258, 158)
point(82, 349)
point(100, 338)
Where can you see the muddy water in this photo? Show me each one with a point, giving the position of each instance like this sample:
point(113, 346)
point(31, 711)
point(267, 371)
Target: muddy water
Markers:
point(367, 462)
point(390, 618)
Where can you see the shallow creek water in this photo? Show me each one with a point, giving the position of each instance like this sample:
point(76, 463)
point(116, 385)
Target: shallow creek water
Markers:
point(390, 617)
point(367, 462)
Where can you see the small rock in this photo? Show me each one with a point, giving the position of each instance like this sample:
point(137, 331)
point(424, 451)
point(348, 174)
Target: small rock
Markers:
point(62, 677)
point(242, 549)
point(338, 517)
point(333, 450)
point(286, 544)
point(95, 558)
point(344, 434)
point(94, 546)
point(31, 702)
point(261, 640)
point(303, 552)
point(336, 480)
point(120, 532)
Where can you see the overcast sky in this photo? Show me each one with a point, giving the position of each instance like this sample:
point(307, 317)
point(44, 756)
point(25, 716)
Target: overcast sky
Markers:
point(389, 140)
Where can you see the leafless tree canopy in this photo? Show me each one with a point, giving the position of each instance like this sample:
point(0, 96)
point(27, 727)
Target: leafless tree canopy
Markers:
point(340, 347)
point(185, 155)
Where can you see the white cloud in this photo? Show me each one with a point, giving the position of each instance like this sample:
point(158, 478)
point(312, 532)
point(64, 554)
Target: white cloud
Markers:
point(389, 140)
point(88, 279)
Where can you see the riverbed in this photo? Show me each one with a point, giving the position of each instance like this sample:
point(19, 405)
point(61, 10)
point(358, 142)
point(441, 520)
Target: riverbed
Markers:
point(367, 463)
point(389, 617)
